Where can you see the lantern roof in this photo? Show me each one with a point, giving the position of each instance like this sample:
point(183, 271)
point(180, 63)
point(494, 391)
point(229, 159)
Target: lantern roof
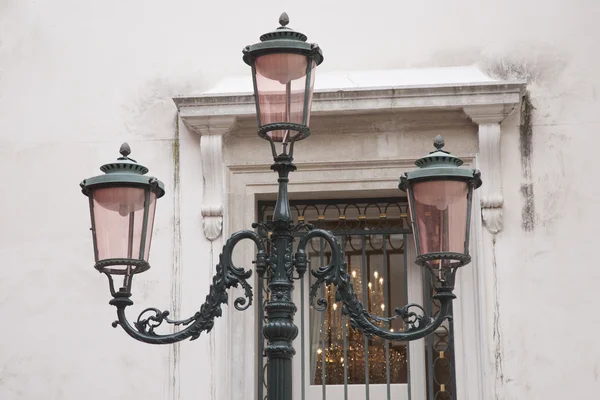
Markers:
point(440, 164)
point(283, 32)
point(438, 157)
point(283, 40)
point(123, 172)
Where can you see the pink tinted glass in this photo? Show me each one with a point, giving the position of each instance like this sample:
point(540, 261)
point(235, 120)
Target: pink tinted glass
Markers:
point(118, 218)
point(441, 213)
point(281, 83)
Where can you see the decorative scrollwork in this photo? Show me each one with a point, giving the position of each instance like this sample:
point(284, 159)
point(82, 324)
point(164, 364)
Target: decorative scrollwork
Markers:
point(302, 225)
point(227, 276)
point(318, 303)
point(418, 324)
point(273, 256)
point(287, 260)
point(148, 324)
point(412, 320)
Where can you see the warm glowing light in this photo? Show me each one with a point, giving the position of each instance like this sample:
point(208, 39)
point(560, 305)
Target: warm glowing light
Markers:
point(354, 274)
point(382, 307)
point(319, 351)
point(370, 285)
point(342, 359)
point(381, 281)
point(334, 306)
point(376, 274)
point(391, 330)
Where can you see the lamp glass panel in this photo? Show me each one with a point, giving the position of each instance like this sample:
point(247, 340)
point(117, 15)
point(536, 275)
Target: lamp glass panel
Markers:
point(281, 86)
point(441, 217)
point(118, 218)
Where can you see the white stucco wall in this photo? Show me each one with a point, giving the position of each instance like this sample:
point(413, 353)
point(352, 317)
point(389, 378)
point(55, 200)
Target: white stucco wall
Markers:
point(78, 78)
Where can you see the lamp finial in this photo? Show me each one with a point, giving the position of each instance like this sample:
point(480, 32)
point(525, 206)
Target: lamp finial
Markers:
point(284, 19)
point(438, 142)
point(125, 150)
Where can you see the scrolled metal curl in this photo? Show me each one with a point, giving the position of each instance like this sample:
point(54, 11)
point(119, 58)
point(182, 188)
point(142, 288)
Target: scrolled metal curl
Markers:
point(418, 325)
point(227, 275)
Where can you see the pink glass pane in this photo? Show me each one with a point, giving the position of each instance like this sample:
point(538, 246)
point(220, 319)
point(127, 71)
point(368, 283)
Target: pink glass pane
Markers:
point(441, 215)
point(281, 84)
point(118, 218)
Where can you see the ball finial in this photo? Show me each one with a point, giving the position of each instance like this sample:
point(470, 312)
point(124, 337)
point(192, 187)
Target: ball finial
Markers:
point(125, 150)
point(438, 142)
point(284, 19)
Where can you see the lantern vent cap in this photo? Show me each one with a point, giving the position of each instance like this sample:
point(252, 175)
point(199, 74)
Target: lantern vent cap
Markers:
point(439, 157)
point(439, 164)
point(124, 163)
point(283, 40)
point(283, 32)
point(124, 171)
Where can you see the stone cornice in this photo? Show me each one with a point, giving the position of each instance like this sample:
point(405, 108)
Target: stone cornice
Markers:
point(196, 111)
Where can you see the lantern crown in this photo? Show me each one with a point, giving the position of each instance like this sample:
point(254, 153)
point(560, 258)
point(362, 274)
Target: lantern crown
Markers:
point(283, 32)
point(440, 164)
point(124, 171)
point(283, 40)
point(439, 157)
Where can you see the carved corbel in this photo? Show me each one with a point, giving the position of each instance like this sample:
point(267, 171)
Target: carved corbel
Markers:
point(211, 130)
point(489, 117)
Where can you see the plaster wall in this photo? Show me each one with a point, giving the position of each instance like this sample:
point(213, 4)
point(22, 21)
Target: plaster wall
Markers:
point(78, 78)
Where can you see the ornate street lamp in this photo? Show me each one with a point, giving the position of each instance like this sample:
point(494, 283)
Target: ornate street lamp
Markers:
point(283, 73)
point(440, 193)
point(122, 206)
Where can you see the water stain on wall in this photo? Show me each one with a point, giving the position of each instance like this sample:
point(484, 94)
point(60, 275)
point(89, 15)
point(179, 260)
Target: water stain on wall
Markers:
point(174, 354)
point(526, 149)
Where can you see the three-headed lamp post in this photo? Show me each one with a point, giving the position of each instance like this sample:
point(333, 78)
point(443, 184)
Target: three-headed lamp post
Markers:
point(123, 201)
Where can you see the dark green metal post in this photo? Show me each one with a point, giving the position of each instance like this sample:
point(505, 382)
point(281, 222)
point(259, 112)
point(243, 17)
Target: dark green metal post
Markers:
point(280, 330)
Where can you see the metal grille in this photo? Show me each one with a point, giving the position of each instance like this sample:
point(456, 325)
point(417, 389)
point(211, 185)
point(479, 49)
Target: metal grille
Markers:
point(373, 233)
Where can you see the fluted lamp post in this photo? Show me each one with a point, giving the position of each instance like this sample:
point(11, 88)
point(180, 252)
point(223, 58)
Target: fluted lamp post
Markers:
point(123, 199)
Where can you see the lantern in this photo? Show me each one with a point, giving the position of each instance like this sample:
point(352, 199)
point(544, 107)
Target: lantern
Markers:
point(122, 205)
point(283, 72)
point(440, 195)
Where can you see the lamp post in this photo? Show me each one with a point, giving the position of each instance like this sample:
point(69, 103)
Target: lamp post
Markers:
point(123, 200)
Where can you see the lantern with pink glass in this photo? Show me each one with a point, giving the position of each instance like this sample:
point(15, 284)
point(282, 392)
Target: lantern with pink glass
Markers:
point(122, 204)
point(440, 196)
point(283, 73)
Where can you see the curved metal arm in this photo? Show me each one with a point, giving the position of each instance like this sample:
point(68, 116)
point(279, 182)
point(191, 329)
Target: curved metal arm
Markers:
point(227, 275)
point(418, 325)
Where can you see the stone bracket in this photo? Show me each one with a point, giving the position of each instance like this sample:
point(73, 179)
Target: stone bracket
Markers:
point(211, 130)
point(488, 118)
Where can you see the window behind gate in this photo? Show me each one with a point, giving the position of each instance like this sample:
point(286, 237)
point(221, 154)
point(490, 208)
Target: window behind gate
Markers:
point(336, 361)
